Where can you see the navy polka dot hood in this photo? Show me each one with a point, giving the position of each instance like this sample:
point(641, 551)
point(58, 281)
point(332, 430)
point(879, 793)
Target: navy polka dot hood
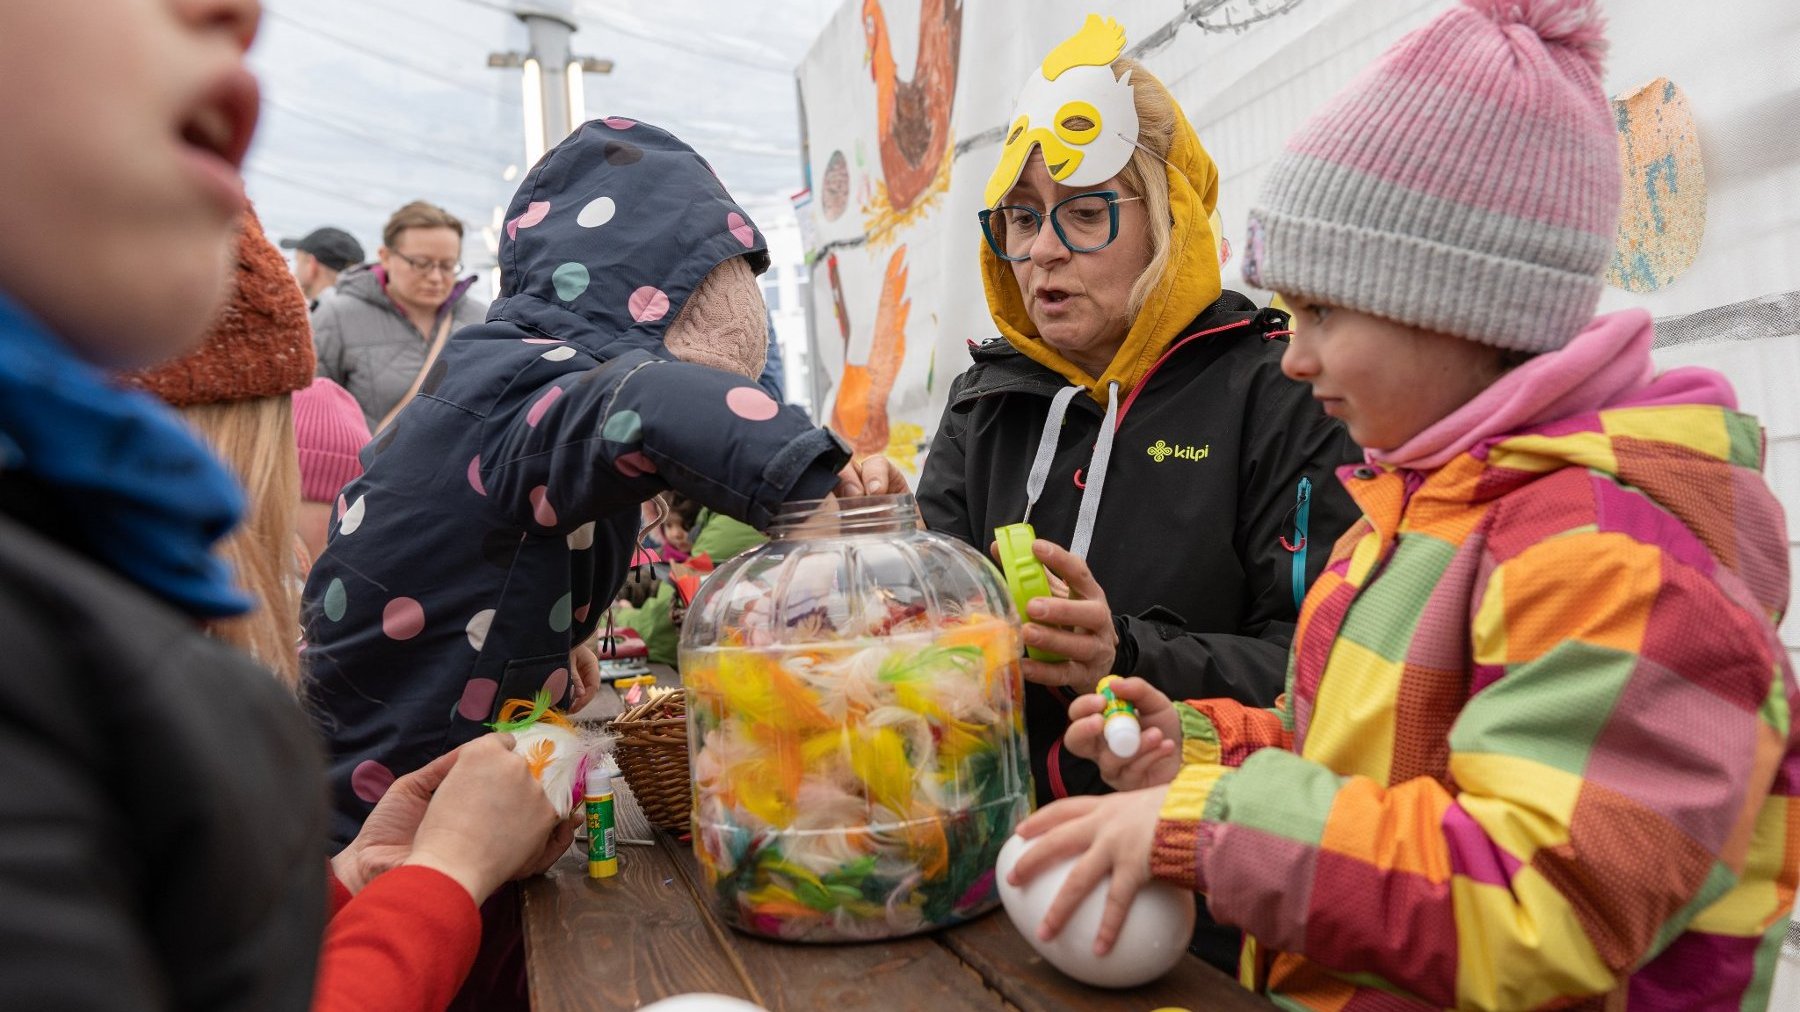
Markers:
point(497, 513)
point(612, 232)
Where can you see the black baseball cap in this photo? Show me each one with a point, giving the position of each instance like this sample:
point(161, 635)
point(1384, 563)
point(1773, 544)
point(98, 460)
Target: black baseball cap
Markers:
point(333, 247)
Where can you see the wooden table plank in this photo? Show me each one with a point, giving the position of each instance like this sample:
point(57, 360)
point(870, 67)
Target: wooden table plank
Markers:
point(650, 932)
point(867, 975)
point(621, 942)
point(996, 950)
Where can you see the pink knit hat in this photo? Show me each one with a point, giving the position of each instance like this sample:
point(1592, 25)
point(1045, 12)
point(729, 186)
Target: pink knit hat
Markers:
point(330, 431)
point(1467, 183)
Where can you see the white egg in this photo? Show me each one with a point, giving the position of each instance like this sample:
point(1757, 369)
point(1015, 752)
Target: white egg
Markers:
point(1154, 938)
point(699, 1002)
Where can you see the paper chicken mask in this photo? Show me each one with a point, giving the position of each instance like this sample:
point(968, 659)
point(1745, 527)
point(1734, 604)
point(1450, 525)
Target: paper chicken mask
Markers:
point(1075, 111)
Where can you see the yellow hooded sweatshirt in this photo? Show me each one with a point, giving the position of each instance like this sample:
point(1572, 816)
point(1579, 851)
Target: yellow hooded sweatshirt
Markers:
point(1190, 280)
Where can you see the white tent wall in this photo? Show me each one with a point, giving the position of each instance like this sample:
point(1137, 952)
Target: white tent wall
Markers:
point(1737, 309)
point(1248, 72)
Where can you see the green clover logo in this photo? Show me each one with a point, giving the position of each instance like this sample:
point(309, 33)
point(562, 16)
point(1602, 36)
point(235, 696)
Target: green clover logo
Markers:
point(1160, 452)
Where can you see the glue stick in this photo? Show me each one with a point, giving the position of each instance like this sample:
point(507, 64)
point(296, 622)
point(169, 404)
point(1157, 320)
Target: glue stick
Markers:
point(603, 857)
point(1121, 728)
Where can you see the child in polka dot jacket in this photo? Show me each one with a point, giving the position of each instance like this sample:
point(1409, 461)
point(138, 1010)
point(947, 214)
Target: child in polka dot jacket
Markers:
point(497, 514)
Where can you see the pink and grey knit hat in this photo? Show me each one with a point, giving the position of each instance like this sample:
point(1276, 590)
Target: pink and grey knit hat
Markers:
point(1467, 183)
point(330, 431)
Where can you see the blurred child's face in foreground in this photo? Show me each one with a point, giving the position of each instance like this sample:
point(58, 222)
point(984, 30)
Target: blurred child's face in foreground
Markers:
point(126, 126)
point(1388, 382)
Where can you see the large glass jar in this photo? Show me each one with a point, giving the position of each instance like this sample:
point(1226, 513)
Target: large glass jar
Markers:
point(855, 726)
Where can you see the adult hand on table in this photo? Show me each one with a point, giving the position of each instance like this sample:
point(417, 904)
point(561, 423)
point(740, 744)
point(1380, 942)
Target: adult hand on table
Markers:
point(1158, 756)
point(1110, 836)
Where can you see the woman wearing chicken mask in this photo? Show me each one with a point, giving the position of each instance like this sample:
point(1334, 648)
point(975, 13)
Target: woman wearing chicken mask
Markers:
point(1101, 268)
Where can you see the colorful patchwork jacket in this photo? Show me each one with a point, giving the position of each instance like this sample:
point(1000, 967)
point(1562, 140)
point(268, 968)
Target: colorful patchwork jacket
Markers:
point(1536, 746)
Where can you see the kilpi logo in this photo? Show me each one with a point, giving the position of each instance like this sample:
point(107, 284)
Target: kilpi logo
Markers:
point(1163, 451)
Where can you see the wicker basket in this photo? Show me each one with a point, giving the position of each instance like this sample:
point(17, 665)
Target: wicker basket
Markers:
point(653, 754)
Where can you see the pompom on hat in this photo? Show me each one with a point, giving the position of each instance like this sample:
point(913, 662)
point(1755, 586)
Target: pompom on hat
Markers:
point(1577, 25)
point(1468, 182)
point(260, 345)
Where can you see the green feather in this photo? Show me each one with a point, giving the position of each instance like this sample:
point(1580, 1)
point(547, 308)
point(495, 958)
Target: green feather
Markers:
point(914, 667)
point(539, 707)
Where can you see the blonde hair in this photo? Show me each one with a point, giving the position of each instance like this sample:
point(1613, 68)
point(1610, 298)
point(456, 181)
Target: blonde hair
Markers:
point(419, 214)
point(255, 438)
point(1146, 174)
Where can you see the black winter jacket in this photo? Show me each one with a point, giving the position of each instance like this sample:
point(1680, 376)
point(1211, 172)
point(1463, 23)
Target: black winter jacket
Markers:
point(1207, 464)
point(161, 811)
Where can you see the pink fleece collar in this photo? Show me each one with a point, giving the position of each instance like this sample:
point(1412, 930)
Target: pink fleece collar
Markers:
point(1607, 363)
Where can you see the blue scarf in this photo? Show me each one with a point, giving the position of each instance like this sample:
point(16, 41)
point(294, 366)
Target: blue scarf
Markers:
point(148, 499)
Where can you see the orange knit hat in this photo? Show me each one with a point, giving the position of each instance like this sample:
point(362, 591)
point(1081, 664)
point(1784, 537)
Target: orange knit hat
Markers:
point(259, 346)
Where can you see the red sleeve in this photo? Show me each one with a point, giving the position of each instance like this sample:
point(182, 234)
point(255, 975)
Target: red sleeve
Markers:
point(404, 943)
point(340, 893)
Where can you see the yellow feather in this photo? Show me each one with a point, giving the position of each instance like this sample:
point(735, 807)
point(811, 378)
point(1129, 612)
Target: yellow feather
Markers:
point(759, 692)
point(878, 756)
point(959, 741)
point(918, 699)
point(758, 787)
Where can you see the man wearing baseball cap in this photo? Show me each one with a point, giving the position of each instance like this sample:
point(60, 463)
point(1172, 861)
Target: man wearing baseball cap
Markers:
point(320, 256)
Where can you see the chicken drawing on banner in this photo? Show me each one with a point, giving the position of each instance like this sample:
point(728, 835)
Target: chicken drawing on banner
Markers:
point(860, 413)
point(912, 115)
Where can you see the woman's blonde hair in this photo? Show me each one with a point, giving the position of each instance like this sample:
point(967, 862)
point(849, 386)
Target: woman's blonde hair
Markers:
point(1146, 174)
point(255, 438)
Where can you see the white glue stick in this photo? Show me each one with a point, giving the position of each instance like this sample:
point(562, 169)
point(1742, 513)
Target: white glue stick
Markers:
point(1121, 727)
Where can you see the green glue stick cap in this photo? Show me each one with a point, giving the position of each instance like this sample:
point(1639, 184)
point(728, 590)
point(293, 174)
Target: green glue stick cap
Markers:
point(1025, 577)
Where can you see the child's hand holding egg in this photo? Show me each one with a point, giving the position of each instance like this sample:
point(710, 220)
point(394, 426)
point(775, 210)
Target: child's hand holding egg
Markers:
point(1096, 938)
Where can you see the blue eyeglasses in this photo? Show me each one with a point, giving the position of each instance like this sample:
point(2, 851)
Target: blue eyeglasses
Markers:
point(1085, 222)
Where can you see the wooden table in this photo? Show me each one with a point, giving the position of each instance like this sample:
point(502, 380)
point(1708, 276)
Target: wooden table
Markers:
point(649, 933)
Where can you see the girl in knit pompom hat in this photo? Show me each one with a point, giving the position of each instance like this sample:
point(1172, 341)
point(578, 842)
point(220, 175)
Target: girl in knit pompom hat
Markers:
point(234, 390)
point(1536, 746)
point(330, 431)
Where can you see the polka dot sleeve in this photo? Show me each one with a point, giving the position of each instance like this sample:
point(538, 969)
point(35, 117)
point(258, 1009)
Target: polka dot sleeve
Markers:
point(589, 443)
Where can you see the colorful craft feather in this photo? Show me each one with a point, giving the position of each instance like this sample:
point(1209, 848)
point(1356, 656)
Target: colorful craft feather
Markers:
point(555, 752)
point(859, 789)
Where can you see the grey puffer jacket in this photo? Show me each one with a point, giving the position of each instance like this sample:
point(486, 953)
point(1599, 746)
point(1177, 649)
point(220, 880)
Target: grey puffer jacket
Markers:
point(368, 346)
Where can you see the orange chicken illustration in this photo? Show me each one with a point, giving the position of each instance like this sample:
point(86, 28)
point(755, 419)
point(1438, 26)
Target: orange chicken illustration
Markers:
point(860, 414)
point(914, 115)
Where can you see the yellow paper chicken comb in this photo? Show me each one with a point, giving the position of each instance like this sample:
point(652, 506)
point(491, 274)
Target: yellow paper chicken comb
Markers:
point(1098, 43)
